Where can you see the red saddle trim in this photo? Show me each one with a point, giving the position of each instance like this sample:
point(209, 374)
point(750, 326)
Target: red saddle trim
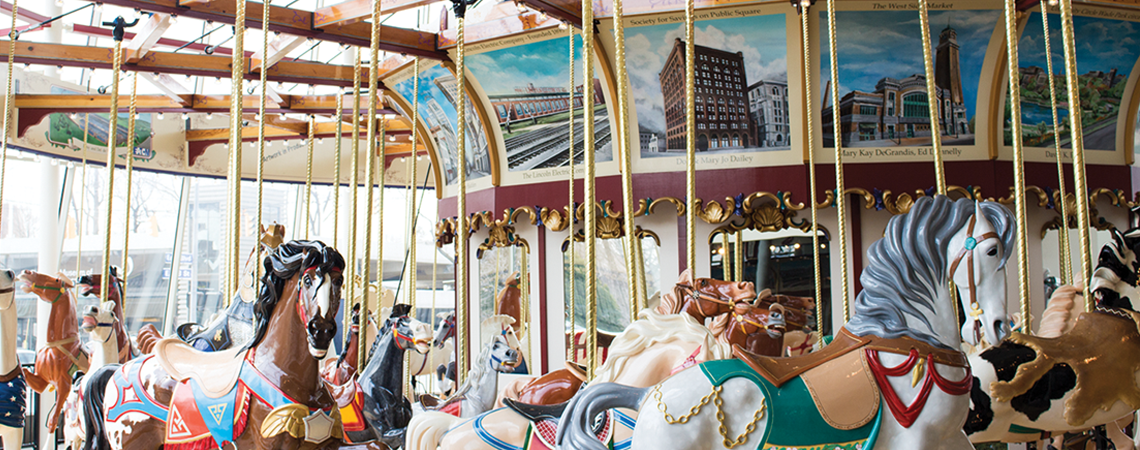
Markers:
point(906, 415)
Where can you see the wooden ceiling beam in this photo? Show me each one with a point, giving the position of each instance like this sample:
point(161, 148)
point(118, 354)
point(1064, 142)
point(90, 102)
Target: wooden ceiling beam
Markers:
point(89, 30)
point(353, 11)
point(278, 49)
point(299, 23)
point(177, 63)
point(147, 36)
point(23, 14)
point(293, 104)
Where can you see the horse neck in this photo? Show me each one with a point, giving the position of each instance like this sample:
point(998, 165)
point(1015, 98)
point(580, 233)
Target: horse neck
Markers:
point(64, 323)
point(8, 359)
point(386, 365)
point(122, 339)
point(282, 354)
point(108, 351)
point(944, 322)
point(482, 383)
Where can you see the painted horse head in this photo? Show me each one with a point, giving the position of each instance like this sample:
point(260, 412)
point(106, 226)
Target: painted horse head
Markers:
point(310, 272)
point(99, 321)
point(978, 268)
point(502, 350)
point(48, 288)
point(92, 284)
point(708, 297)
point(501, 325)
point(799, 312)
point(1114, 282)
point(408, 333)
point(446, 329)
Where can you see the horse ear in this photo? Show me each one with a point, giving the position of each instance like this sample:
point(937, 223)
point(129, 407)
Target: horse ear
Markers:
point(63, 279)
point(686, 277)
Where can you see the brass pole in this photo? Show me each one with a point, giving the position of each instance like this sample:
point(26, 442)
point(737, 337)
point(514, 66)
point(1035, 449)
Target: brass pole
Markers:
point(590, 195)
point(373, 153)
point(354, 275)
point(572, 355)
point(461, 272)
point(131, 117)
point(624, 151)
point(261, 119)
point(309, 177)
point(931, 98)
point(739, 263)
point(112, 131)
point(1066, 274)
point(412, 171)
point(237, 64)
point(9, 103)
point(690, 140)
point(1018, 166)
point(336, 170)
point(810, 139)
point(840, 186)
point(82, 190)
point(1078, 142)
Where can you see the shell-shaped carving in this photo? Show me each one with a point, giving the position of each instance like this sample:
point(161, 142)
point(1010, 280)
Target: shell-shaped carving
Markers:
point(767, 218)
point(609, 228)
point(903, 203)
point(713, 212)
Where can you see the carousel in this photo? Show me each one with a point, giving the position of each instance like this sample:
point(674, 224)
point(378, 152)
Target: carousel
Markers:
point(419, 224)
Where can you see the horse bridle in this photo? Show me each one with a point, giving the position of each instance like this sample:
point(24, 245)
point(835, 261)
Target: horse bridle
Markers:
point(967, 252)
point(698, 295)
point(59, 291)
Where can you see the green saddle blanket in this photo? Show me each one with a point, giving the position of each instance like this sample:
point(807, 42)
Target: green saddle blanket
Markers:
point(794, 422)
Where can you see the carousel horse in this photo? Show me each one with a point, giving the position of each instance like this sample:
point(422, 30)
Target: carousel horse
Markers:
point(1032, 385)
point(266, 394)
point(56, 362)
point(477, 393)
point(447, 375)
point(343, 369)
point(509, 303)
point(374, 408)
point(647, 352)
point(901, 343)
point(745, 325)
point(233, 327)
point(91, 285)
point(12, 384)
point(99, 323)
point(443, 354)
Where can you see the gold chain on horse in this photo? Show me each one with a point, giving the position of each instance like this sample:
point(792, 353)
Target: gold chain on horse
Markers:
point(714, 397)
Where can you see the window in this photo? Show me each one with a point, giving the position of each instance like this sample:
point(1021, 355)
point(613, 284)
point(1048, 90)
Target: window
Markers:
point(724, 141)
point(868, 110)
point(713, 142)
point(736, 140)
point(915, 105)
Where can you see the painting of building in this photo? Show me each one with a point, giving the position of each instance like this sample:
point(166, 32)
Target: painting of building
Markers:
point(768, 108)
point(884, 100)
point(531, 100)
point(898, 110)
point(1103, 60)
point(437, 98)
point(731, 56)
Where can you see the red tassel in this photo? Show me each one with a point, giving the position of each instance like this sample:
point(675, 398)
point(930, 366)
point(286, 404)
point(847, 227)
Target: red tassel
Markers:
point(205, 443)
point(242, 418)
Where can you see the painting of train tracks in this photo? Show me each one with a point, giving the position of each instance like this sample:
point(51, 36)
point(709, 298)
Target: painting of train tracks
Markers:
point(531, 99)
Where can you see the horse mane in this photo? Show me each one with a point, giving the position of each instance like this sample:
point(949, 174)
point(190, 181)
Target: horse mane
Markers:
point(673, 302)
point(1059, 316)
point(906, 269)
point(654, 328)
point(280, 266)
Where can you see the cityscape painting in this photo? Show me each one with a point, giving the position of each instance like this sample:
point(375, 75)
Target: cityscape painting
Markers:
point(882, 83)
point(741, 85)
point(1104, 59)
point(437, 98)
point(527, 86)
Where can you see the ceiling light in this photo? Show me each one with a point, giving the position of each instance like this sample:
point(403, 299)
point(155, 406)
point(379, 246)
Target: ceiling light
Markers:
point(209, 115)
point(185, 116)
point(160, 116)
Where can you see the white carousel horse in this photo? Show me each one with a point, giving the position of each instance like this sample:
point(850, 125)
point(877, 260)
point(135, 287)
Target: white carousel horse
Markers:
point(442, 354)
point(1062, 396)
point(477, 393)
point(648, 351)
point(901, 343)
point(12, 383)
point(99, 323)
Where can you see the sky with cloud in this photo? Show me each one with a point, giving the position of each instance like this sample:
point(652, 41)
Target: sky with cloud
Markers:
point(869, 51)
point(761, 39)
point(428, 92)
point(544, 63)
point(1102, 44)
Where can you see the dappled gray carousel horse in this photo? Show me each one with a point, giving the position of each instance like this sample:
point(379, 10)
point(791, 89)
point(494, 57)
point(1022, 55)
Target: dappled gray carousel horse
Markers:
point(901, 343)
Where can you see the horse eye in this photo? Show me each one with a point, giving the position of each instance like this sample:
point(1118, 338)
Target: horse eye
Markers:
point(704, 283)
point(992, 252)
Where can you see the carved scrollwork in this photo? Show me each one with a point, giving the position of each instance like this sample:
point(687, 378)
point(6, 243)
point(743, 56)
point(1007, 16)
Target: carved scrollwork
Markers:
point(555, 219)
point(445, 232)
point(713, 212)
point(1031, 192)
point(1095, 221)
point(641, 233)
point(647, 206)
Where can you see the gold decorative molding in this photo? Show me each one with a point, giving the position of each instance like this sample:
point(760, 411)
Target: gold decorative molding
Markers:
point(650, 205)
point(713, 212)
point(641, 233)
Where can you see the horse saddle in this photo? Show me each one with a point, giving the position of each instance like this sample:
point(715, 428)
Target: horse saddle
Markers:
point(537, 413)
point(232, 329)
point(215, 372)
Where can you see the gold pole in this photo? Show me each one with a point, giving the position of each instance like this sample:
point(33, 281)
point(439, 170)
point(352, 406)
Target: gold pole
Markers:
point(590, 195)
point(354, 147)
point(572, 354)
point(82, 190)
point(1066, 274)
point(261, 119)
point(690, 140)
point(366, 272)
point(412, 163)
point(739, 263)
point(309, 177)
point(840, 186)
point(624, 151)
point(810, 135)
point(112, 130)
point(336, 170)
point(1018, 163)
point(524, 286)
point(725, 258)
point(9, 102)
point(461, 274)
point(237, 64)
point(1077, 133)
point(434, 293)
point(373, 153)
point(131, 117)
point(931, 98)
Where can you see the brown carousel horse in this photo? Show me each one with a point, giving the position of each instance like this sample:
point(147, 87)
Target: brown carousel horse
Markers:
point(63, 355)
point(509, 301)
point(267, 394)
point(761, 329)
point(92, 285)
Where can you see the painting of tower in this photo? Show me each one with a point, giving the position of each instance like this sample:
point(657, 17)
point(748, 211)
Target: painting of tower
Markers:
point(948, 72)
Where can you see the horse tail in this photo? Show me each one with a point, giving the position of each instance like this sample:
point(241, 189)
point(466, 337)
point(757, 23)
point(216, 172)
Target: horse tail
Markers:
point(96, 387)
point(427, 428)
point(576, 428)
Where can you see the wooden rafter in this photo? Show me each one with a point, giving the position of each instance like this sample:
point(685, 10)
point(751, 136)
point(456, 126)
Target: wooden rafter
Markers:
point(23, 14)
point(89, 30)
point(147, 36)
point(280, 47)
point(177, 63)
point(352, 11)
point(498, 28)
point(299, 23)
point(293, 104)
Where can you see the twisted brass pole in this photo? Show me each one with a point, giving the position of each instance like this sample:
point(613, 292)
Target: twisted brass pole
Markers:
point(1066, 274)
point(309, 176)
point(624, 151)
point(131, 117)
point(931, 98)
point(412, 170)
point(336, 168)
point(590, 194)
point(1076, 131)
point(261, 119)
point(373, 153)
point(237, 64)
point(690, 140)
point(572, 354)
point(352, 236)
point(810, 139)
point(840, 186)
point(112, 131)
point(83, 187)
point(461, 271)
point(9, 103)
point(1018, 165)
